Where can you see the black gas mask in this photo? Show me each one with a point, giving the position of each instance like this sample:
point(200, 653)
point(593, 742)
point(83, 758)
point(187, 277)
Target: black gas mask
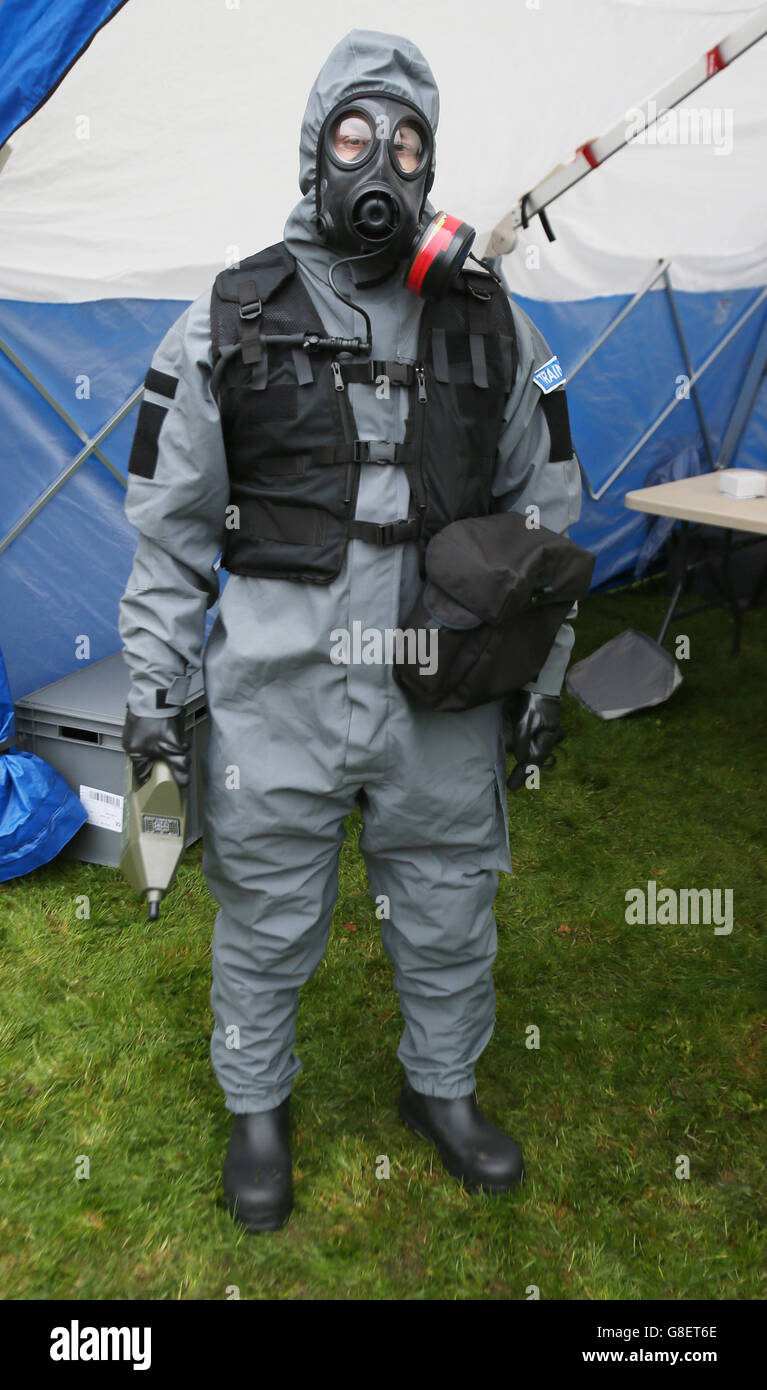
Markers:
point(374, 171)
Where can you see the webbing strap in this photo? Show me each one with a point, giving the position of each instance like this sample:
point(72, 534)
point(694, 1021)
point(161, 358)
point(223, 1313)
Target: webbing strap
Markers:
point(363, 451)
point(396, 373)
point(390, 533)
point(303, 367)
point(381, 451)
point(250, 315)
point(174, 694)
point(478, 359)
point(439, 356)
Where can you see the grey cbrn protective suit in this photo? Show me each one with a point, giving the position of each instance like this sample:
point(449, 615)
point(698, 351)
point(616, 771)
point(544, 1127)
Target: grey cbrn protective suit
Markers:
point(297, 741)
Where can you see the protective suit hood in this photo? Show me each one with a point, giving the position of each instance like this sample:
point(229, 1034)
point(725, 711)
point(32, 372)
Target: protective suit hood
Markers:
point(362, 60)
point(365, 59)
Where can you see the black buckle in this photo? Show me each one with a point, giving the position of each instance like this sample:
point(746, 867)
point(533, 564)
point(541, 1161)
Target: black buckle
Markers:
point(251, 310)
point(374, 451)
point(403, 374)
point(399, 373)
point(396, 532)
point(383, 451)
point(385, 533)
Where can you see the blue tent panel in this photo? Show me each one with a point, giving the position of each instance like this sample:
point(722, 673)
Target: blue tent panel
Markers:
point(630, 381)
point(63, 575)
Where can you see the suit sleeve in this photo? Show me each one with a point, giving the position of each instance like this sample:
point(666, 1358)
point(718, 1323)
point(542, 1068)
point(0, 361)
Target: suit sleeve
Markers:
point(178, 490)
point(536, 466)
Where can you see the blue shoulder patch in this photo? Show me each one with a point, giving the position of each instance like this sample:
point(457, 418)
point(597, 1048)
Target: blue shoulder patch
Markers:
point(550, 376)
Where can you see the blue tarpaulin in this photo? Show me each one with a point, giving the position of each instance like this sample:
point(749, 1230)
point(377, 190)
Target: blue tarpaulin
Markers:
point(39, 42)
point(39, 813)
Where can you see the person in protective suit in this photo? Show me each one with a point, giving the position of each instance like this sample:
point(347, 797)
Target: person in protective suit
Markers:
point(313, 420)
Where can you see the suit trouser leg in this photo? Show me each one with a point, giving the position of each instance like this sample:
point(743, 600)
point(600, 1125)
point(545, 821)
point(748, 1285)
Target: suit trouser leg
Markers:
point(277, 888)
point(441, 940)
point(434, 859)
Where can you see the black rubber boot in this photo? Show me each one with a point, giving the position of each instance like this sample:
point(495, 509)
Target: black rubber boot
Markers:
point(480, 1156)
point(258, 1175)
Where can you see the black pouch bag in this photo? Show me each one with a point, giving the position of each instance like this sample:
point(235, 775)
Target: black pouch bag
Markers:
point(495, 596)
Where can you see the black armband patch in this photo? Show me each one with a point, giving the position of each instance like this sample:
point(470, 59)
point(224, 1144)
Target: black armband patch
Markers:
point(143, 455)
point(161, 383)
point(558, 421)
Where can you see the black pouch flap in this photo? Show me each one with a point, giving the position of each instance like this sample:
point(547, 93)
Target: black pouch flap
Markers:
point(493, 567)
point(444, 609)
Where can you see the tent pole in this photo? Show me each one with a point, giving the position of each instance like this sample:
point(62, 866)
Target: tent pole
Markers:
point(741, 411)
point(690, 369)
point(90, 445)
point(660, 269)
point(596, 496)
point(59, 409)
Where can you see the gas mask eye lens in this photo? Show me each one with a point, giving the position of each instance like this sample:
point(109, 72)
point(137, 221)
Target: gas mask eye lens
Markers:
point(407, 145)
point(350, 138)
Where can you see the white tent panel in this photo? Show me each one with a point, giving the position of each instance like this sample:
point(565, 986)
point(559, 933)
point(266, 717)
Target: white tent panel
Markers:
point(174, 140)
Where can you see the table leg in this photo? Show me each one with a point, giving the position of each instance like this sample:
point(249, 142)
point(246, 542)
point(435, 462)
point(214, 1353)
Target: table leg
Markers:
point(679, 587)
point(729, 589)
point(760, 587)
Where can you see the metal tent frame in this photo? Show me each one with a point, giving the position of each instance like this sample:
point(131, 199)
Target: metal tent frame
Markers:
point(743, 405)
point(91, 444)
point(739, 417)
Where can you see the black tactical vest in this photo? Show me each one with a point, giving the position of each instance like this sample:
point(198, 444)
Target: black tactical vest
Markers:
point(292, 455)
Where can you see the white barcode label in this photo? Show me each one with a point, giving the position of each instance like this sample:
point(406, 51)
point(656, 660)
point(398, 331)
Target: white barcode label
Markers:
point(105, 809)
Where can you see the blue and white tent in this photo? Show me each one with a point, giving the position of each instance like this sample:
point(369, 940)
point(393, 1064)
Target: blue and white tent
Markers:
point(147, 143)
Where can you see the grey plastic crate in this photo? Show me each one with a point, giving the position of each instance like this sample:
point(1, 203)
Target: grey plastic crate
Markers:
point(76, 725)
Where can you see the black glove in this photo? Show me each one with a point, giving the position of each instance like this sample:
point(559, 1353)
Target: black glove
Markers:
point(148, 740)
point(531, 731)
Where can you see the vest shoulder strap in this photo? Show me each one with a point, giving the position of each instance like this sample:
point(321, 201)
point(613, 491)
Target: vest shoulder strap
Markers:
point(486, 301)
point(242, 288)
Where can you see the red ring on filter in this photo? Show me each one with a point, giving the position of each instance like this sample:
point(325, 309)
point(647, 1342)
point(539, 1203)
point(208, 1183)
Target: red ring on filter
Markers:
point(439, 255)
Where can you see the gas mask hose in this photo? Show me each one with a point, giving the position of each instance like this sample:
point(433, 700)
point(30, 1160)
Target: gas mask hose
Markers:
point(347, 260)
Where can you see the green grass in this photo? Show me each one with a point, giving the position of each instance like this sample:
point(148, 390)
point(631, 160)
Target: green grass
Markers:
point(651, 1047)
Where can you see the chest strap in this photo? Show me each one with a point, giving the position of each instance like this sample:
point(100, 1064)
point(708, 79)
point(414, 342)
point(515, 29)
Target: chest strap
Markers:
point(390, 533)
point(397, 373)
point(381, 451)
point(364, 451)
